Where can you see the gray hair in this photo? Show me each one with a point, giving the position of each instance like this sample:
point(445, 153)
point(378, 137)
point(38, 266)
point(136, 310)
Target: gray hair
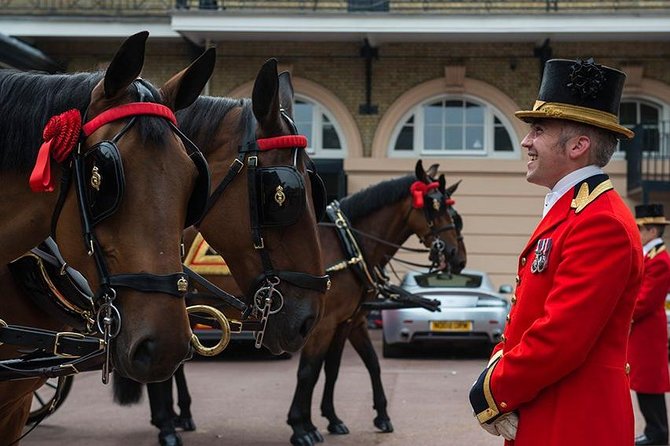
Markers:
point(603, 142)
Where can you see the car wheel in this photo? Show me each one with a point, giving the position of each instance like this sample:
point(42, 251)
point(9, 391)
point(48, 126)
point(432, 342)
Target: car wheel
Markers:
point(391, 350)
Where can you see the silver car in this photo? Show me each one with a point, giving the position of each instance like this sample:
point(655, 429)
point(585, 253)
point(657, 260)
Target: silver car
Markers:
point(471, 310)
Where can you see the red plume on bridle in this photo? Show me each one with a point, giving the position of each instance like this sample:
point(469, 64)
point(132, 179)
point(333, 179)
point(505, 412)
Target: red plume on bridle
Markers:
point(60, 136)
point(419, 189)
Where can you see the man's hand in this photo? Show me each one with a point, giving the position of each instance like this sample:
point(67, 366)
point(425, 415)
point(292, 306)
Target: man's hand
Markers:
point(505, 425)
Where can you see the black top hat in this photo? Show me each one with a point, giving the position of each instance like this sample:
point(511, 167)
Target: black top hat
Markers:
point(580, 91)
point(650, 214)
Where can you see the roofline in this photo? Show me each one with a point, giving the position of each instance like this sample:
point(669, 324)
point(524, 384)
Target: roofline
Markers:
point(200, 26)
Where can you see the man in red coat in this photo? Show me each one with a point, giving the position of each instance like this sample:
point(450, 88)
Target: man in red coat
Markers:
point(559, 375)
point(648, 344)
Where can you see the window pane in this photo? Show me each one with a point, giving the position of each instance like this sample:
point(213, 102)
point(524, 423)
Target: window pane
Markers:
point(432, 137)
point(474, 113)
point(648, 114)
point(330, 140)
point(432, 113)
point(650, 138)
point(302, 116)
point(405, 139)
point(628, 113)
point(454, 138)
point(474, 138)
point(454, 112)
point(501, 140)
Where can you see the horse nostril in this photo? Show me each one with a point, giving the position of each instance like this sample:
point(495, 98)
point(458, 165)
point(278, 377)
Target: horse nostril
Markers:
point(307, 326)
point(144, 353)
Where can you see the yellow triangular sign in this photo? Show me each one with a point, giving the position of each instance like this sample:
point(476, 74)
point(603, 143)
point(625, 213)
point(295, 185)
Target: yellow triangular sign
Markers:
point(203, 259)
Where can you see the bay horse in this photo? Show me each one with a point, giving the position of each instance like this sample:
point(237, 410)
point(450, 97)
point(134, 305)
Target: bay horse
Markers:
point(287, 259)
point(125, 185)
point(343, 317)
point(384, 216)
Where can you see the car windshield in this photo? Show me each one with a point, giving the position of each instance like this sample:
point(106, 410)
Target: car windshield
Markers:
point(449, 280)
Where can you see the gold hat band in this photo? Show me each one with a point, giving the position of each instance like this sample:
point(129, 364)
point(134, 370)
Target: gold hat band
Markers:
point(652, 221)
point(559, 110)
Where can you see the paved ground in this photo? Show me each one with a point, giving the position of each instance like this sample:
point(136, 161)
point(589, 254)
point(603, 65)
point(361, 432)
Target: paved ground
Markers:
point(243, 400)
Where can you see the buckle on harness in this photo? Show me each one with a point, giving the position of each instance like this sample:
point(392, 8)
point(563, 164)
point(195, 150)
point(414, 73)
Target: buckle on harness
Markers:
point(235, 326)
point(67, 335)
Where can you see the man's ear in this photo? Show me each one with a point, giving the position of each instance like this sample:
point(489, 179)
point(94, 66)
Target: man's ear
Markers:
point(579, 146)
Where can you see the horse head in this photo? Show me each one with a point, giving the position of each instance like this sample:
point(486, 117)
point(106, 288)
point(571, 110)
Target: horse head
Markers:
point(439, 228)
point(264, 224)
point(135, 183)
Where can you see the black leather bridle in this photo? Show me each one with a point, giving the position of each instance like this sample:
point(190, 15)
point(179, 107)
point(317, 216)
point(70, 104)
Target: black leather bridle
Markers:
point(108, 317)
point(267, 298)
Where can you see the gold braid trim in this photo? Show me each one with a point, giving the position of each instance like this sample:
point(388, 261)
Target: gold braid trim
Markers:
point(492, 410)
point(584, 197)
point(655, 251)
point(559, 109)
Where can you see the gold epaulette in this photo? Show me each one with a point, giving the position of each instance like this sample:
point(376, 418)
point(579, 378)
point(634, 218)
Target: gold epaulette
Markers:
point(585, 196)
point(656, 250)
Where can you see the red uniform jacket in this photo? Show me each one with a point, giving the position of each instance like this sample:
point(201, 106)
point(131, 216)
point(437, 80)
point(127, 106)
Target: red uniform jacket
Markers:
point(648, 344)
point(562, 362)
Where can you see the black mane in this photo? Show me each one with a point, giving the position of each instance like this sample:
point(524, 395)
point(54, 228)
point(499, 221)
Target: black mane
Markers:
point(375, 197)
point(29, 99)
point(27, 102)
point(201, 120)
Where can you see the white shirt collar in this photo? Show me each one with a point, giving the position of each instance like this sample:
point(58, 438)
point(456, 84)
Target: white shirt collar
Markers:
point(568, 182)
point(650, 244)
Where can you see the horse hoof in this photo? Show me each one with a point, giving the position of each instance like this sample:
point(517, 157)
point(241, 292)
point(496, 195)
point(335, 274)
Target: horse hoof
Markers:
point(302, 440)
point(316, 436)
point(185, 423)
point(169, 439)
point(338, 428)
point(384, 425)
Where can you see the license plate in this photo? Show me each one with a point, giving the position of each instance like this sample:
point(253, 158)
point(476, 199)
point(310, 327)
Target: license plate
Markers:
point(450, 325)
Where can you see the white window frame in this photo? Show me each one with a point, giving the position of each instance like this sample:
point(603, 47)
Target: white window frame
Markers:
point(664, 115)
point(489, 113)
point(314, 146)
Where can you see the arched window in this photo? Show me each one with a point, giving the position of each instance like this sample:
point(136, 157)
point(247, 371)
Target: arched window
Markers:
point(322, 131)
point(454, 125)
point(650, 114)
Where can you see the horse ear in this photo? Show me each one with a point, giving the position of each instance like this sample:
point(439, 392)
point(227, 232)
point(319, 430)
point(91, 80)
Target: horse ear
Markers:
point(432, 170)
point(265, 96)
point(126, 65)
point(443, 183)
point(450, 191)
point(420, 173)
point(184, 87)
point(286, 92)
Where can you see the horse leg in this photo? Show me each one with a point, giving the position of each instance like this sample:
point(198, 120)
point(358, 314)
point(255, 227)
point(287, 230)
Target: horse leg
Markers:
point(162, 413)
point(184, 420)
point(331, 369)
point(16, 398)
point(299, 415)
point(360, 339)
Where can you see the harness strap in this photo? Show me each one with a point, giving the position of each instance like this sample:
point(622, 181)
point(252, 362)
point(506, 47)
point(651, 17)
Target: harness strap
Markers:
point(221, 305)
point(128, 110)
point(67, 344)
point(217, 293)
point(235, 168)
point(350, 246)
point(301, 280)
point(174, 284)
point(49, 366)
